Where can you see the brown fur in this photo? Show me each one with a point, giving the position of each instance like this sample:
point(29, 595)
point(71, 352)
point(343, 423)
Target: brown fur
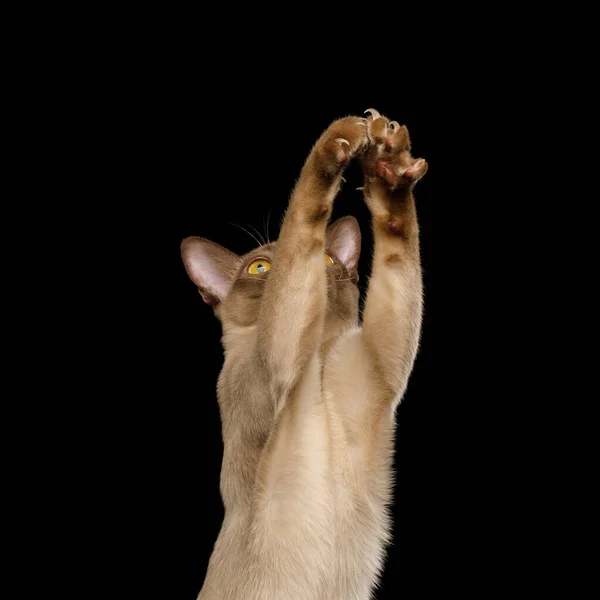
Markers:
point(307, 396)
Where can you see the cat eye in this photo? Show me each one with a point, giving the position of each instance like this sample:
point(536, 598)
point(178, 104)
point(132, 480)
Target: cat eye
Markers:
point(329, 260)
point(259, 266)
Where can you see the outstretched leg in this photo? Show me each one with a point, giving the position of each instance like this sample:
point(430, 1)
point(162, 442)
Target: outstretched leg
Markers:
point(295, 293)
point(290, 545)
point(393, 308)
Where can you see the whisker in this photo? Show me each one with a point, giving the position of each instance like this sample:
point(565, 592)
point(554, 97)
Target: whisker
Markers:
point(248, 232)
point(259, 234)
point(264, 227)
point(267, 227)
point(335, 312)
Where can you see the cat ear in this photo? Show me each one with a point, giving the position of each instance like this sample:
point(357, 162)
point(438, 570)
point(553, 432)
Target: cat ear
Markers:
point(343, 239)
point(210, 266)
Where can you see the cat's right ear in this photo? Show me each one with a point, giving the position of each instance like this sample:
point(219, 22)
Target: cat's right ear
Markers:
point(210, 266)
point(343, 239)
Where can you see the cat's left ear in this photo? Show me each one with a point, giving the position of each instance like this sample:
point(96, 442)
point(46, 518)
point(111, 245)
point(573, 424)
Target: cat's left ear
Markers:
point(343, 240)
point(210, 266)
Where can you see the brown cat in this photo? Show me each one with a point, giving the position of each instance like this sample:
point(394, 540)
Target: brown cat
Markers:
point(308, 395)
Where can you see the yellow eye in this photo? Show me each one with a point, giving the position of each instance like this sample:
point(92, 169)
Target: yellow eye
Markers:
point(329, 259)
point(259, 266)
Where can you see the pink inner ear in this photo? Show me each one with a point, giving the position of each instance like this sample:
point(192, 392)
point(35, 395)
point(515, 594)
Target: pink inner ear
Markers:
point(208, 275)
point(210, 266)
point(343, 239)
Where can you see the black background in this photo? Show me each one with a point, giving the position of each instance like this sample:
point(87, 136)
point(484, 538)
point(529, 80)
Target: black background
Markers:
point(185, 164)
point(143, 136)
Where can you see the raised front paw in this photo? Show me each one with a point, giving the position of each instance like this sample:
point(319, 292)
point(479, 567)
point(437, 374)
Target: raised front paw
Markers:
point(388, 156)
point(342, 140)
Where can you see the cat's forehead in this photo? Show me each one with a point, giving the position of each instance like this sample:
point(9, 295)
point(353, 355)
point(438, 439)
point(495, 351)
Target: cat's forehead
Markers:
point(265, 251)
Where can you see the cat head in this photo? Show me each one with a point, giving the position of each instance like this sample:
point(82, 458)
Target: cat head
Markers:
point(233, 285)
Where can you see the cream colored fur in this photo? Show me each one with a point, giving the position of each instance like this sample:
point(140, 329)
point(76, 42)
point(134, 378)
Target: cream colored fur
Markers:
point(307, 395)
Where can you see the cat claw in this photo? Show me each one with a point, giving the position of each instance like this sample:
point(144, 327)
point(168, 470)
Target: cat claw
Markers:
point(394, 125)
point(414, 169)
point(417, 166)
point(342, 141)
point(374, 113)
point(361, 123)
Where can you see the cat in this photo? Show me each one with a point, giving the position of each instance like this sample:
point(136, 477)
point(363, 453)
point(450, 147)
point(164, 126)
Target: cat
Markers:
point(307, 394)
